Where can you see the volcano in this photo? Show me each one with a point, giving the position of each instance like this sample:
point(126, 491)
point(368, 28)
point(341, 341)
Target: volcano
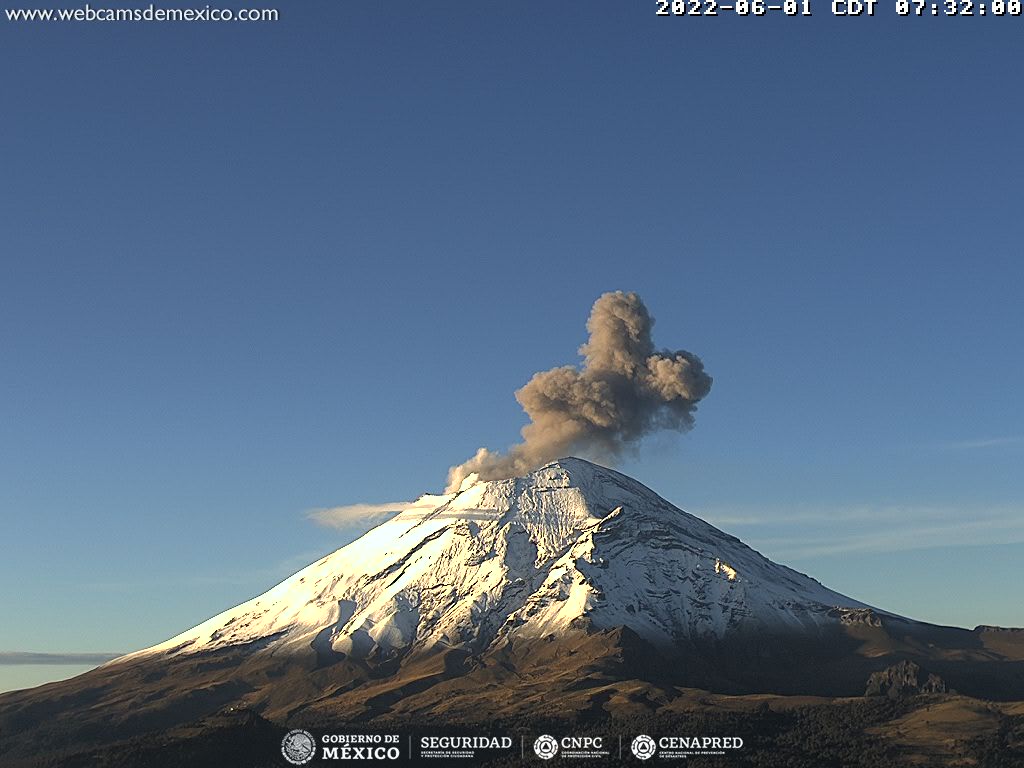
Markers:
point(572, 589)
point(571, 546)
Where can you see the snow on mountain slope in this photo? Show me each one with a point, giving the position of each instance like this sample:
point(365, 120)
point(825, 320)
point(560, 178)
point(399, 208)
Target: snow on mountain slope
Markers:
point(524, 557)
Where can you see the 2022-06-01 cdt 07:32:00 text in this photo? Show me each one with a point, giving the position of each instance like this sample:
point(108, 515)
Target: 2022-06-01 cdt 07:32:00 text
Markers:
point(843, 8)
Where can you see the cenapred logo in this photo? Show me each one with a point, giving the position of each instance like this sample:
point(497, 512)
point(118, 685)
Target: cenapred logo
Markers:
point(546, 747)
point(298, 746)
point(643, 747)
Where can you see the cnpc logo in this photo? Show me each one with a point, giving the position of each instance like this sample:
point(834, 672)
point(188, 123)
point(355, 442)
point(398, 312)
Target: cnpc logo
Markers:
point(546, 746)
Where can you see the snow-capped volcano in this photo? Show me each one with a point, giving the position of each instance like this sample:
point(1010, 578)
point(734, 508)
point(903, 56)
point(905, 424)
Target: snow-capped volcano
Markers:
point(572, 592)
point(570, 545)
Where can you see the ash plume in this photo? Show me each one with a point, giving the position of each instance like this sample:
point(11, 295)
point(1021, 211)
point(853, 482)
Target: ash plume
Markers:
point(624, 390)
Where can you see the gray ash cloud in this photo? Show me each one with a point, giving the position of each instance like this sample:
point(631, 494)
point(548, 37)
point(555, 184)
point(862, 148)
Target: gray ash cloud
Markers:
point(624, 390)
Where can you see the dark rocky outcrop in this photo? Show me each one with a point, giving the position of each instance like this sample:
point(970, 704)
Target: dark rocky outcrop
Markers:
point(904, 679)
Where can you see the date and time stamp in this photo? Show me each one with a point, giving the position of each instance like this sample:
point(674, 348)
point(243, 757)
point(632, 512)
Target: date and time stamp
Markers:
point(838, 7)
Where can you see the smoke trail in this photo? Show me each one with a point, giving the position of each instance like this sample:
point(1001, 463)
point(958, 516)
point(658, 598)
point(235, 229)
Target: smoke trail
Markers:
point(623, 391)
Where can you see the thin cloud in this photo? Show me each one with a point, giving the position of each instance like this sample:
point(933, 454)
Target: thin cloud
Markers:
point(977, 533)
point(361, 515)
point(825, 531)
point(17, 658)
point(986, 442)
point(776, 516)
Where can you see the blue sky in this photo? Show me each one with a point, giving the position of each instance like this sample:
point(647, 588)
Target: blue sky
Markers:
point(250, 271)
